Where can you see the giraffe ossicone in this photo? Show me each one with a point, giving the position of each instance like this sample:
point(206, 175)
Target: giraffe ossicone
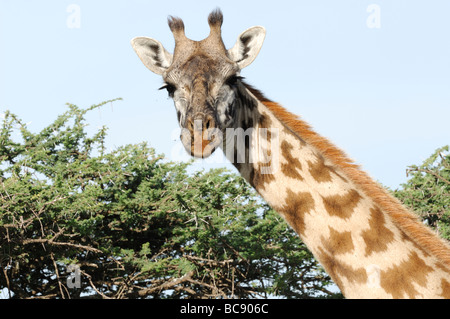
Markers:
point(367, 241)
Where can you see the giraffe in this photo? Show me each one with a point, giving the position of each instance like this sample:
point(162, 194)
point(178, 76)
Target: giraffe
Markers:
point(366, 240)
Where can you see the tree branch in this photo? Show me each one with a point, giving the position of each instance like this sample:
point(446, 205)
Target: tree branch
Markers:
point(164, 286)
point(55, 243)
point(430, 172)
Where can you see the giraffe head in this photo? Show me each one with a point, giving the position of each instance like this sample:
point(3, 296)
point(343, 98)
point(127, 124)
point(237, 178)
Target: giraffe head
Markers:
point(202, 78)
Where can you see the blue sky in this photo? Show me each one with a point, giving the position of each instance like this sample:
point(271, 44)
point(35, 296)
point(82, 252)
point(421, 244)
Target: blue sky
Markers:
point(381, 94)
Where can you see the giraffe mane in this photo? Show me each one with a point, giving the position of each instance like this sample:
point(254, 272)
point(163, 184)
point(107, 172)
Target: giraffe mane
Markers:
point(400, 215)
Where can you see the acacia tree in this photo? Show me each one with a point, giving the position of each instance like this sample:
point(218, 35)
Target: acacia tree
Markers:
point(133, 225)
point(79, 222)
point(427, 191)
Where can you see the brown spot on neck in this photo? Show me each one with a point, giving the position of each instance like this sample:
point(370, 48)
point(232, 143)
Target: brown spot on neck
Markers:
point(264, 121)
point(342, 206)
point(339, 270)
point(378, 236)
point(445, 285)
point(339, 242)
point(399, 280)
point(258, 176)
point(321, 172)
point(297, 205)
point(293, 166)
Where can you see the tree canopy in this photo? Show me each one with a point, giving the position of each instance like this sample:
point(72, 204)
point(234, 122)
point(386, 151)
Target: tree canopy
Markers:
point(79, 222)
point(427, 191)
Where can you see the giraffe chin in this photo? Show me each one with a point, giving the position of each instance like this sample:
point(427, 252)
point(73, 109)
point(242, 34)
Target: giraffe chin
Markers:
point(198, 146)
point(205, 152)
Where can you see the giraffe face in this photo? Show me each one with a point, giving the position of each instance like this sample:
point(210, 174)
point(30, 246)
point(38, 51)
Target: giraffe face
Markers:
point(202, 78)
point(203, 88)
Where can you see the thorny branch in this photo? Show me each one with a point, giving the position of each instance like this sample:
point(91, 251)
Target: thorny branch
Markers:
point(136, 226)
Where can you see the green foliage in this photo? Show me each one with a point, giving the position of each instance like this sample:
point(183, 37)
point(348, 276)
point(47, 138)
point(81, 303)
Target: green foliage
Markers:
point(427, 191)
point(136, 225)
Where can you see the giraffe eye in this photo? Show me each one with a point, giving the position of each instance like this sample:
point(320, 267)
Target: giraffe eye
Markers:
point(170, 88)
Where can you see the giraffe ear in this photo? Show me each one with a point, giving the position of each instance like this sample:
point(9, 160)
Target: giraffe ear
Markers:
point(152, 53)
point(247, 46)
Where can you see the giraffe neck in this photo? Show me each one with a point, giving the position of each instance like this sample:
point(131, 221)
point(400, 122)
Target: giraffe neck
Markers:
point(369, 244)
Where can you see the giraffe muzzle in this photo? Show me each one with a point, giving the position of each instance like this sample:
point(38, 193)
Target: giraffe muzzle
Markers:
point(200, 136)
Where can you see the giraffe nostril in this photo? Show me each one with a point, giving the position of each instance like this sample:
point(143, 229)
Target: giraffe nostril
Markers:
point(209, 122)
point(200, 122)
point(200, 136)
point(190, 124)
